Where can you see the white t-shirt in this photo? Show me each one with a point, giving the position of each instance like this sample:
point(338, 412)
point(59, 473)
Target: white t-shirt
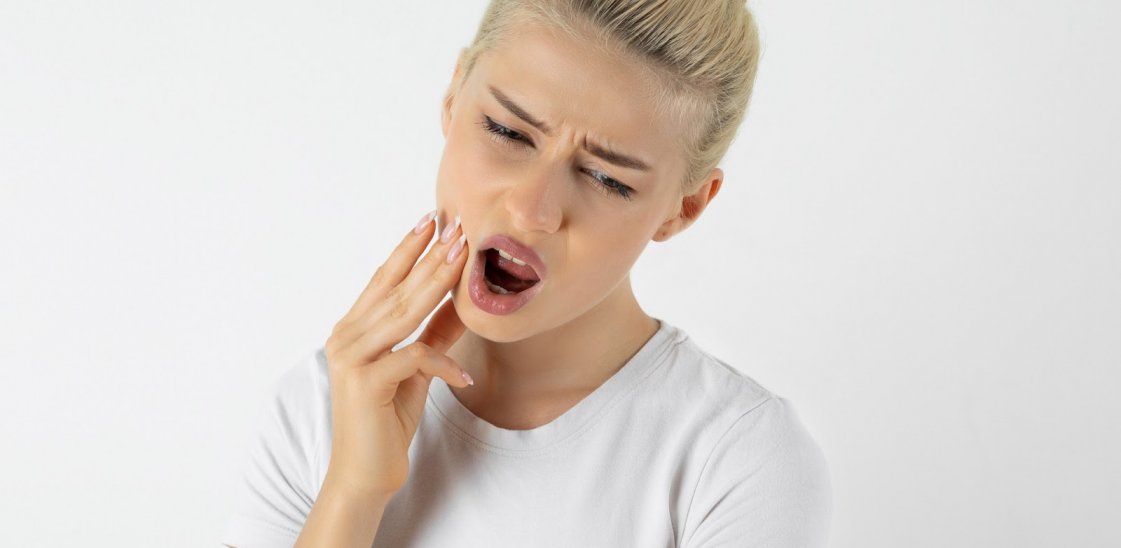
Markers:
point(677, 448)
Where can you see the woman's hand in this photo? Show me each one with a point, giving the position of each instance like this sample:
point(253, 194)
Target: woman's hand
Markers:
point(378, 395)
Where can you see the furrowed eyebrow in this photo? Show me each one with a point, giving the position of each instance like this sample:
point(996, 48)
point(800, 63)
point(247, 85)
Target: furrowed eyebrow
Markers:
point(604, 153)
point(519, 111)
point(616, 158)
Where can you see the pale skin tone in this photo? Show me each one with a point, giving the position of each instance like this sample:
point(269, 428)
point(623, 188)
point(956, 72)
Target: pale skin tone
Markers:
point(526, 367)
point(531, 366)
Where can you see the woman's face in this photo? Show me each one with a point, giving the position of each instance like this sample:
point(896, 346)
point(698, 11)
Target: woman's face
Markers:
point(542, 185)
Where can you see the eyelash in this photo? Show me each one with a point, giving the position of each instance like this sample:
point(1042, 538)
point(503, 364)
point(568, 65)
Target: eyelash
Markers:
point(506, 136)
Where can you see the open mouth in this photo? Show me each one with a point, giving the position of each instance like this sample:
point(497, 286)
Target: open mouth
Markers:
point(505, 275)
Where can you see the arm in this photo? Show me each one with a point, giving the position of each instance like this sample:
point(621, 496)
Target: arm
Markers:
point(377, 394)
point(339, 518)
point(369, 398)
point(279, 482)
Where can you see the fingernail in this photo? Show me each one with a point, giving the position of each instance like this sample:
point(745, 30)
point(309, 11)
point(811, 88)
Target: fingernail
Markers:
point(449, 230)
point(467, 377)
point(423, 223)
point(457, 248)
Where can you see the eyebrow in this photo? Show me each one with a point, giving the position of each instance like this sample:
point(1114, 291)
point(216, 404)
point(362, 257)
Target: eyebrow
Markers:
point(602, 152)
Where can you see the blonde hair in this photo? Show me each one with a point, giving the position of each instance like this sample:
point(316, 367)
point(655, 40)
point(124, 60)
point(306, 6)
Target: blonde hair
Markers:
point(704, 53)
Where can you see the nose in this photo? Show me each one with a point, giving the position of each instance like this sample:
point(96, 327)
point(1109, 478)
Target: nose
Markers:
point(535, 202)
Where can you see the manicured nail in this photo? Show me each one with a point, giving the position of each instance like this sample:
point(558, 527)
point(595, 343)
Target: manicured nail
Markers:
point(449, 230)
point(467, 378)
point(423, 223)
point(457, 248)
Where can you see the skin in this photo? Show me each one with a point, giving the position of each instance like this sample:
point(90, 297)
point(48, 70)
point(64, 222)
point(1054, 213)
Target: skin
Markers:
point(533, 365)
point(377, 394)
point(526, 366)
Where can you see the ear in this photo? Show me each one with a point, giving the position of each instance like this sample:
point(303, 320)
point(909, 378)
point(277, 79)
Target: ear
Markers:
point(449, 95)
point(691, 206)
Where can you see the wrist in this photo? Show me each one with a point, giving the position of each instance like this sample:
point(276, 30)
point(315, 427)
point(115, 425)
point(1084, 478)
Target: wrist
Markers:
point(354, 495)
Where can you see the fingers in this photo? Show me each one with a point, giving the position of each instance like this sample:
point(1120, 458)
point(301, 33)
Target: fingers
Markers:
point(404, 307)
point(395, 268)
point(443, 329)
point(418, 357)
point(433, 262)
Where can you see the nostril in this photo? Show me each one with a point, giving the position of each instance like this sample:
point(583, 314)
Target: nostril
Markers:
point(533, 208)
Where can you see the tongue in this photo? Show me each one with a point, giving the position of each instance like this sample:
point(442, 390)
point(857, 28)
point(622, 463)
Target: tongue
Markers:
point(507, 275)
point(525, 273)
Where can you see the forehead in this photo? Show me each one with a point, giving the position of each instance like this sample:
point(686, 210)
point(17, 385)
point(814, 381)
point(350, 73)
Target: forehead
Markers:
point(574, 86)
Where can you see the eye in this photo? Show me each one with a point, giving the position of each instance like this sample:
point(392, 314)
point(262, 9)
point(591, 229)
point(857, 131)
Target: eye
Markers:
point(506, 136)
point(502, 134)
point(607, 184)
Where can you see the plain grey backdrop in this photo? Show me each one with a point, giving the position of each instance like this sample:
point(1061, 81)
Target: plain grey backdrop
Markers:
point(917, 243)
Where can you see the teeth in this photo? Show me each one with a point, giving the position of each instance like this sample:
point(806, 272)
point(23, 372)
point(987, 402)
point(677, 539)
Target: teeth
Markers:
point(495, 288)
point(510, 258)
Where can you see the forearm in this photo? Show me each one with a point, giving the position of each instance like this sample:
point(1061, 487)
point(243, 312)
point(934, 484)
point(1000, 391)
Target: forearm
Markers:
point(339, 519)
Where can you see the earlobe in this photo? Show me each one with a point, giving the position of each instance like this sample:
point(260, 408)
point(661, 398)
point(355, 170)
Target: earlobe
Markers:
point(691, 206)
point(665, 231)
point(674, 224)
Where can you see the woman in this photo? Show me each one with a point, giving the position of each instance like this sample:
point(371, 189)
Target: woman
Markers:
point(576, 132)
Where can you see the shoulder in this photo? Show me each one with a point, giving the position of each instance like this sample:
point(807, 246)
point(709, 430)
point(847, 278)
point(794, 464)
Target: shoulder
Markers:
point(295, 427)
point(303, 393)
point(300, 400)
point(711, 390)
point(762, 475)
point(303, 390)
point(745, 415)
point(307, 378)
point(298, 412)
point(286, 460)
point(766, 481)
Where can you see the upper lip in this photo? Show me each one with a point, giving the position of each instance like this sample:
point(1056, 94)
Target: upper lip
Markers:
point(519, 250)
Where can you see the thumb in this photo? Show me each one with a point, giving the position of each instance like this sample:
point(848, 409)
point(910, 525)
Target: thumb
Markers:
point(443, 329)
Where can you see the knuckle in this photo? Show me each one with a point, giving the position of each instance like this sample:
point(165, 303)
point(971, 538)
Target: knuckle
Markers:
point(430, 281)
point(379, 277)
point(400, 309)
point(339, 328)
point(398, 303)
point(418, 351)
point(443, 277)
point(334, 359)
point(334, 346)
point(446, 275)
point(435, 256)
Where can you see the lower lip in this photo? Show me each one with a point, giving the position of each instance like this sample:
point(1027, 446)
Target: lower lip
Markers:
point(491, 302)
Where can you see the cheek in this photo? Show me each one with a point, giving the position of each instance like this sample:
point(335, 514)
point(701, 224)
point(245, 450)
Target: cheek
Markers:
point(607, 259)
point(465, 169)
point(622, 258)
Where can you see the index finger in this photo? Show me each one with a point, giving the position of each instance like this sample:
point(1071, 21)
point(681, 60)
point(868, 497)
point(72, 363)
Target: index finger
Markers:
point(396, 267)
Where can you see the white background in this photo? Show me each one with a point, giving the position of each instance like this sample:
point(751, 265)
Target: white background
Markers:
point(917, 243)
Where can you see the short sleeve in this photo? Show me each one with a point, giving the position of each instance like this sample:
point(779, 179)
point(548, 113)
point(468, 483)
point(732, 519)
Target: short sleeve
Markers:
point(765, 485)
point(278, 487)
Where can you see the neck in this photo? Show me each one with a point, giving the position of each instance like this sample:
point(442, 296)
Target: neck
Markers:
point(529, 382)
